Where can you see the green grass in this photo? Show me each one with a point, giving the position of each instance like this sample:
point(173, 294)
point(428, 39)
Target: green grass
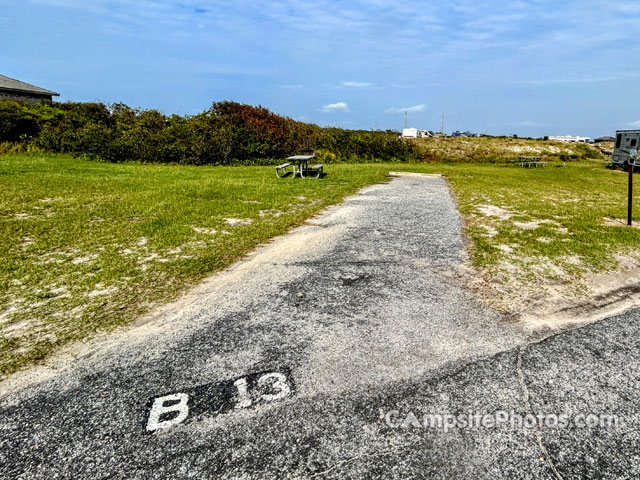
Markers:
point(88, 246)
point(549, 222)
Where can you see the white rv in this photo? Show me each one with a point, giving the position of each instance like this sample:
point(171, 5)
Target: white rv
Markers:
point(627, 143)
point(416, 133)
point(409, 133)
point(570, 139)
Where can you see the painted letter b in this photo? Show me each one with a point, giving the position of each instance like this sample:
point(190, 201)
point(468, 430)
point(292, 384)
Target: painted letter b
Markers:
point(178, 403)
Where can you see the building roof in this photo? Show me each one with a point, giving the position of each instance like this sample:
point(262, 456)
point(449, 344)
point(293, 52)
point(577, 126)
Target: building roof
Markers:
point(14, 85)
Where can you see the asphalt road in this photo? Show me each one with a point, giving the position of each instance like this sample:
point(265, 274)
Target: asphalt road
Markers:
point(334, 352)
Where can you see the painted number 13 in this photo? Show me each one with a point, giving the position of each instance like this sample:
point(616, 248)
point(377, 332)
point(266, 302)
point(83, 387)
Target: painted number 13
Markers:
point(274, 381)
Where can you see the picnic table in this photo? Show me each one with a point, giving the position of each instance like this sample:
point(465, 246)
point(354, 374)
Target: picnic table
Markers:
point(531, 161)
point(299, 165)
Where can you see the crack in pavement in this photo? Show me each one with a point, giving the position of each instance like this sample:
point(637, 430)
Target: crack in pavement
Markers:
point(525, 391)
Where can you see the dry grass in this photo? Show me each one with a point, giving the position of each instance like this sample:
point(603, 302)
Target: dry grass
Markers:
point(498, 149)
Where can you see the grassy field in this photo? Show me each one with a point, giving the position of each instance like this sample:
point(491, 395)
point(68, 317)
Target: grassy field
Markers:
point(88, 246)
point(535, 226)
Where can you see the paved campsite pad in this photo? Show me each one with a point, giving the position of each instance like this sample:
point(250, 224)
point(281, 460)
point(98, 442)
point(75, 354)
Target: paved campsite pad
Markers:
point(289, 361)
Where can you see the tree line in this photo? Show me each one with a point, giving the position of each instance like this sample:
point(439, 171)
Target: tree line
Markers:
point(228, 133)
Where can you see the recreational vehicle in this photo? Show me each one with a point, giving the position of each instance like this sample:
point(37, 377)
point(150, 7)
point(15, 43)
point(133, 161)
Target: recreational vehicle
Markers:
point(627, 143)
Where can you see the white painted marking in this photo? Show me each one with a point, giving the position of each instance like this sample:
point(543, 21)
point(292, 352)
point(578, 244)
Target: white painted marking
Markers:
point(159, 408)
point(245, 399)
point(280, 384)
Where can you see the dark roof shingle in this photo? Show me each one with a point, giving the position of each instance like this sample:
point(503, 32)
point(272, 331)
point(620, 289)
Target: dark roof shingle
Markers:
point(7, 83)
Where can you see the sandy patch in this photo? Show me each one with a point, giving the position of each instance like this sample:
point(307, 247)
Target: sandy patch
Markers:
point(58, 290)
point(57, 256)
point(491, 231)
point(602, 295)
point(619, 222)
point(535, 149)
point(557, 300)
point(505, 248)
point(154, 257)
point(238, 221)
point(6, 314)
point(206, 231)
point(271, 212)
point(532, 225)
point(84, 259)
point(140, 246)
point(16, 329)
point(493, 211)
point(76, 312)
point(49, 200)
point(100, 290)
point(550, 222)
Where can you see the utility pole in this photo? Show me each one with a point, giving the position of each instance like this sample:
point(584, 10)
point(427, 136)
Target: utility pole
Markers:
point(406, 118)
point(442, 128)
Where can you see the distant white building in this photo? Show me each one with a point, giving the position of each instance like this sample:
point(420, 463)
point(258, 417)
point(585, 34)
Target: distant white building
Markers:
point(569, 138)
point(415, 133)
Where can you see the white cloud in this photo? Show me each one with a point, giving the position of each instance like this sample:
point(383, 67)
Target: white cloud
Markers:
point(415, 108)
point(635, 124)
point(292, 86)
point(355, 84)
point(335, 107)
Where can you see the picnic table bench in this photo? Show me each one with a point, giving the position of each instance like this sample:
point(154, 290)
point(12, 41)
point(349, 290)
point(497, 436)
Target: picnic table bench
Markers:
point(531, 161)
point(299, 165)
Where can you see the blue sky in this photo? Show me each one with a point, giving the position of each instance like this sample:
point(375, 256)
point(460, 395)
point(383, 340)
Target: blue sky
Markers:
point(527, 67)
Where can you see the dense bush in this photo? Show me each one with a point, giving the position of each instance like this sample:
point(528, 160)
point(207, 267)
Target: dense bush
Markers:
point(225, 134)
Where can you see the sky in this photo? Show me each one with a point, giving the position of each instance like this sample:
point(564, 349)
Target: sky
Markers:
point(532, 68)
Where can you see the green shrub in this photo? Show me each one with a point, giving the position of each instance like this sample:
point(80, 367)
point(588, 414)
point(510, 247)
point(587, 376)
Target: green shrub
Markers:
point(20, 148)
point(325, 156)
point(228, 133)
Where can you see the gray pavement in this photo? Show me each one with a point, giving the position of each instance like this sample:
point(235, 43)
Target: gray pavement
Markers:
point(319, 357)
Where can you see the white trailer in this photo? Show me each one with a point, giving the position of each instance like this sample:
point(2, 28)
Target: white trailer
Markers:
point(409, 133)
point(627, 144)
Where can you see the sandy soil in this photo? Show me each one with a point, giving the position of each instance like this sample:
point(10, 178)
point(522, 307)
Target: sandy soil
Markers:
point(550, 305)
